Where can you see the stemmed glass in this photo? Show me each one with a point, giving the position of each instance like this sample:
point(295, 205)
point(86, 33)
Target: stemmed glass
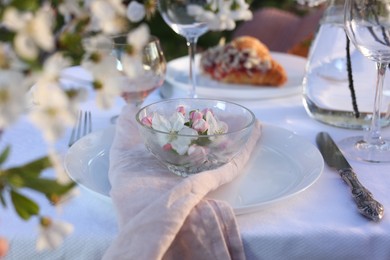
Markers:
point(153, 70)
point(175, 14)
point(367, 24)
point(149, 77)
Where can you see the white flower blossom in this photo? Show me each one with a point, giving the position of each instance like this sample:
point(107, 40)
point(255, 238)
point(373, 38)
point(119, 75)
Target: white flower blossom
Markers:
point(9, 59)
point(215, 126)
point(53, 66)
point(51, 234)
point(175, 127)
point(311, 3)
point(135, 11)
point(98, 43)
point(69, 8)
point(132, 64)
point(33, 31)
point(52, 114)
point(221, 14)
point(13, 100)
point(241, 12)
point(108, 81)
point(138, 37)
point(108, 15)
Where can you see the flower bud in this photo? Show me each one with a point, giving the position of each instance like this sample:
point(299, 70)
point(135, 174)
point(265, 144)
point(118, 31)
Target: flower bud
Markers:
point(195, 115)
point(200, 125)
point(167, 147)
point(147, 121)
point(181, 110)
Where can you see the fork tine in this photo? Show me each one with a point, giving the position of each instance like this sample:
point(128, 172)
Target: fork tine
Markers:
point(74, 133)
point(82, 127)
point(79, 125)
point(89, 122)
point(85, 123)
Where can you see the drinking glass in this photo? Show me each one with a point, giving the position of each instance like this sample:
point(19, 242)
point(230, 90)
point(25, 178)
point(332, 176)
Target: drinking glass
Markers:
point(174, 13)
point(367, 24)
point(150, 77)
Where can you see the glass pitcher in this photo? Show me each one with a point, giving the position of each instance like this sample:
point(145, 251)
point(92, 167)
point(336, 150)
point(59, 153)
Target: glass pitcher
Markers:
point(332, 93)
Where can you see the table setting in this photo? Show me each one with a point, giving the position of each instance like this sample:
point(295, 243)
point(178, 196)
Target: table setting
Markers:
point(189, 167)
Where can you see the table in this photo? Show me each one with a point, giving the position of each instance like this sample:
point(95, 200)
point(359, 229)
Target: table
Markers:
point(320, 223)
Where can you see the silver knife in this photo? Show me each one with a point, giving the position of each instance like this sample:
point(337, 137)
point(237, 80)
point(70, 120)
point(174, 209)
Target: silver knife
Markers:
point(365, 202)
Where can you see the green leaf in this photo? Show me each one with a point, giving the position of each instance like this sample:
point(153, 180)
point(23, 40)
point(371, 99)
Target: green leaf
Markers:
point(48, 186)
point(4, 154)
point(29, 5)
point(71, 45)
point(24, 206)
point(15, 180)
point(2, 200)
point(31, 169)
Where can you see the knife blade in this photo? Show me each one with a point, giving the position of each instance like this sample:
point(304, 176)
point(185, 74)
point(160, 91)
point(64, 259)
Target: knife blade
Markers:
point(364, 199)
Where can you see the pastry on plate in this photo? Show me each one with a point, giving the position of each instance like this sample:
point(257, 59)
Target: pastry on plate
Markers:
point(245, 60)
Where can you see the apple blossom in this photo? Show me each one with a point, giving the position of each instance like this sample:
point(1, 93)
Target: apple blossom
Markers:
point(12, 96)
point(51, 234)
point(215, 126)
point(147, 121)
point(181, 109)
point(33, 31)
point(195, 115)
point(200, 125)
point(180, 133)
point(221, 14)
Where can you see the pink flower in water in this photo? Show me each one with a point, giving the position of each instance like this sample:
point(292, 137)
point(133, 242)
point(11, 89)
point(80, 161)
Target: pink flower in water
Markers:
point(167, 147)
point(200, 125)
point(204, 111)
point(181, 110)
point(147, 121)
point(215, 126)
point(195, 115)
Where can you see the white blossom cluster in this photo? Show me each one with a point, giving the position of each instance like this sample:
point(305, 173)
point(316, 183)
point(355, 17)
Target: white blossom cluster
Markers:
point(42, 38)
point(221, 15)
point(311, 3)
point(32, 59)
point(53, 110)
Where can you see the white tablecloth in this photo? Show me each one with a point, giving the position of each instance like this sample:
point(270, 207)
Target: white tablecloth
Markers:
point(320, 223)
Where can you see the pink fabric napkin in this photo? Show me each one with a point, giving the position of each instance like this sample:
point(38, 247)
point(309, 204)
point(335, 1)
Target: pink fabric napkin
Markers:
point(164, 216)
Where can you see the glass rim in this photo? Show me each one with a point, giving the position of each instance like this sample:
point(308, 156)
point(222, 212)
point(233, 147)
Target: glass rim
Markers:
point(242, 129)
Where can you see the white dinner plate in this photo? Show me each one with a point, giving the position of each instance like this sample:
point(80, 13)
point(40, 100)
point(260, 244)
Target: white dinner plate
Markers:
point(177, 75)
point(282, 165)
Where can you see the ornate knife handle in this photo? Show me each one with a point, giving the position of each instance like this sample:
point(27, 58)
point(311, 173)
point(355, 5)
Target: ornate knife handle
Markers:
point(365, 202)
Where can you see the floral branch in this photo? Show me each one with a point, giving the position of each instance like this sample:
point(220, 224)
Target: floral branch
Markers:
point(350, 79)
point(28, 176)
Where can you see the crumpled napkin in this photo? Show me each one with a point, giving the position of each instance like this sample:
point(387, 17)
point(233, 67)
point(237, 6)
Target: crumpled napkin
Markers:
point(164, 216)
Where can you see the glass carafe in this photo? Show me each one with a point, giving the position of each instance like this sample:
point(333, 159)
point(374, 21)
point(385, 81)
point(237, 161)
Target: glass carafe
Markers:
point(329, 94)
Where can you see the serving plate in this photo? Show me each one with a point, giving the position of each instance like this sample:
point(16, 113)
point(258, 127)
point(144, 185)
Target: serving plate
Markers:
point(283, 165)
point(177, 75)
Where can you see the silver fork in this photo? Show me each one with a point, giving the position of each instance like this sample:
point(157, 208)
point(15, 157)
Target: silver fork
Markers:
point(83, 126)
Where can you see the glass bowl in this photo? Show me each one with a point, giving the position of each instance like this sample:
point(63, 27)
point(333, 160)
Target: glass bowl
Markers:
point(191, 135)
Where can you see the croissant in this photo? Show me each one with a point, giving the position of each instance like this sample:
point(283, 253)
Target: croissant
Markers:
point(245, 60)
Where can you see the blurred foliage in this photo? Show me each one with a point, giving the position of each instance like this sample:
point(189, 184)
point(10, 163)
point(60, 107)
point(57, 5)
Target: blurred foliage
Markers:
point(175, 46)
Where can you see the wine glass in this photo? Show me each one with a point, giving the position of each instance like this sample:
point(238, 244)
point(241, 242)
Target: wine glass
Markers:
point(367, 24)
point(153, 70)
point(149, 77)
point(175, 14)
